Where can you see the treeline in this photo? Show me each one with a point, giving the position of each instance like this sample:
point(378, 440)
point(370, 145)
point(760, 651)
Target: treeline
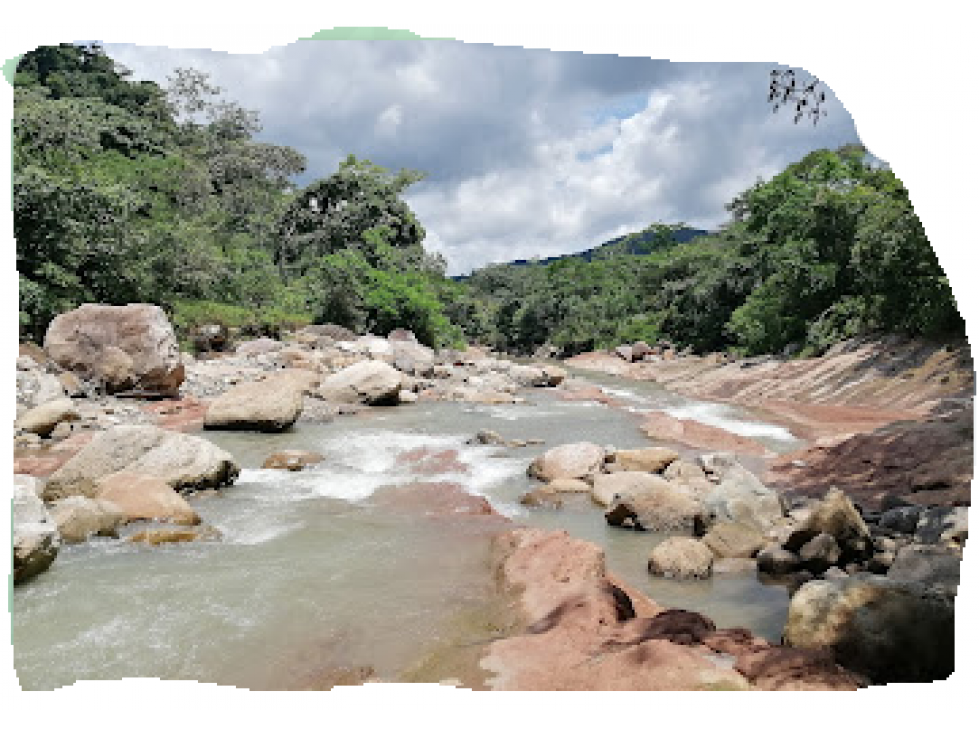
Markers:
point(829, 249)
point(125, 191)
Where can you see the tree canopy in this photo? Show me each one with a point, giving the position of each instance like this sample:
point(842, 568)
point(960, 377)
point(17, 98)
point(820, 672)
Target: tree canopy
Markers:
point(126, 191)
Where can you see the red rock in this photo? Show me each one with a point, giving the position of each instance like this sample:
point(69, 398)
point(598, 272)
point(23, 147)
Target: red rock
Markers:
point(435, 499)
point(428, 461)
point(779, 668)
point(664, 427)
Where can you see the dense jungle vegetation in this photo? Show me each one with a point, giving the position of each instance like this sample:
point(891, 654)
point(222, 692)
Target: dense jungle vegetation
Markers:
point(125, 191)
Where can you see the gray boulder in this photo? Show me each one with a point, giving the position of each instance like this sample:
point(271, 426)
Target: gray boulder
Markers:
point(371, 382)
point(181, 460)
point(35, 536)
point(738, 495)
point(270, 405)
point(928, 565)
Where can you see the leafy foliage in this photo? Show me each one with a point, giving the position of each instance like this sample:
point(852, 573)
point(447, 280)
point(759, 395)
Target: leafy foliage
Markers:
point(125, 191)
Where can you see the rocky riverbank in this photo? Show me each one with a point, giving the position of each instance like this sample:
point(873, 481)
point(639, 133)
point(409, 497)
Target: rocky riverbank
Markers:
point(109, 441)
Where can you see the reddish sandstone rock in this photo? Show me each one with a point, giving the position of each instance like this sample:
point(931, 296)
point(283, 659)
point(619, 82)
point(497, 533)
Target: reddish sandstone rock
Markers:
point(664, 427)
point(431, 462)
point(435, 499)
point(142, 497)
point(777, 668)
point(581, 629)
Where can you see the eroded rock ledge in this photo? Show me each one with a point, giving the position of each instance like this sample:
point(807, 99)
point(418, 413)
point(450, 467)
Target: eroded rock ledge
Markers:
point(576, 627)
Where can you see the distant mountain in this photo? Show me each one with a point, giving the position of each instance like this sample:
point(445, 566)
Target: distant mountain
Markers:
point(636, 243)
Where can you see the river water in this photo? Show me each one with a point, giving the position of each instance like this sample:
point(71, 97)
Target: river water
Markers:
point(313, 574)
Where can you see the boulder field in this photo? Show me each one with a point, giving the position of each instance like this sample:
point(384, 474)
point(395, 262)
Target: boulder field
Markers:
point(866, 529)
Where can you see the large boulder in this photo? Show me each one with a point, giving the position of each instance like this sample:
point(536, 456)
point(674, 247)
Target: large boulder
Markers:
point(652, 459)
point(646, 502)
point(180, 460)
point(738, 495)
point(890, 631)
point(775, 560)
point(35, 536)
point(569, 461)
point(36, 387)
point(928, 565)
point(692, 476)
point(835, 515)
point(43, 419)
point(129, 347)
point(371, 382)
point(271, 405)
point(374, 347)
point(78, 518)
point(606, 488)
point(943, 525)
point(413, 358)
point(733, 540)
point(681, 558)
point(144, 497)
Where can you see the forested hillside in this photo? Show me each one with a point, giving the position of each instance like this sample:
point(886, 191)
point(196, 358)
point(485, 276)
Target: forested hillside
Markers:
point(125, 191)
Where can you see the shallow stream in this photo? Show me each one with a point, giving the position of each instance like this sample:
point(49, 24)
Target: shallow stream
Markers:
point(314, 575)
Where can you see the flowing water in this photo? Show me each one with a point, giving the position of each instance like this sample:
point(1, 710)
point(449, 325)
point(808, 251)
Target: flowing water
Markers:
point(313, 574)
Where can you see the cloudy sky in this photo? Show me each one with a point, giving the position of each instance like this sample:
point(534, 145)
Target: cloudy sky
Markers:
point(527, 152)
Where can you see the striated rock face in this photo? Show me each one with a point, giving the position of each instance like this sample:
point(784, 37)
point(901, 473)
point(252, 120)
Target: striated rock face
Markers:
point(925, 462)
point(681, 558)
point(372, 382)
point(570, 461)
point(142, 497)
point(182, 461)
point(892, 374)
point(890, 631)
point(271, 405)
point(662, 426)
point(35, 536)
point(129, 347)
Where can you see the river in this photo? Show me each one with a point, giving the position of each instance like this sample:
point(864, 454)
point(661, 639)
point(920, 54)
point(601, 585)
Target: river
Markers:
point(313, 574)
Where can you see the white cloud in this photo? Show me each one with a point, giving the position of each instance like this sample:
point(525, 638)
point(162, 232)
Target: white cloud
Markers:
point(527, 152)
